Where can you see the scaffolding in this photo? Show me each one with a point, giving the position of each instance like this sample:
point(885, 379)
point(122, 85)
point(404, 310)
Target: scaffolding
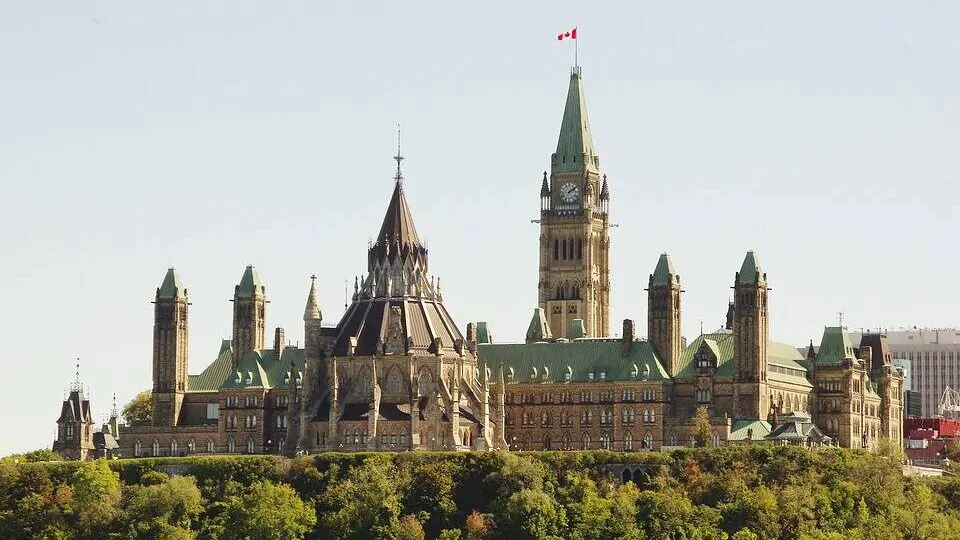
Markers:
point(950, 403)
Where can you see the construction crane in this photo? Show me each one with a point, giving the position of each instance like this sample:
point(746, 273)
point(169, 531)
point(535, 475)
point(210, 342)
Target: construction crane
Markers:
point(950, 403)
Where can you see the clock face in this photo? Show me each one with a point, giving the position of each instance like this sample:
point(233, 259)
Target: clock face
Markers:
point(570, 192)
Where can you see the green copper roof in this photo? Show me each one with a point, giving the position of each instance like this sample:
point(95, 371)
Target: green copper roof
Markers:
point(755, 430)
point(250, 284)
point(577, 329)
point(664, 272)
point(834, 347)
point(600, 357)
point(210, 379)
point(483, 333)
point(750, 271)
point(784, 362)
point(171, 286)
point(575, 140)
point(264, 369)
point(538, 330)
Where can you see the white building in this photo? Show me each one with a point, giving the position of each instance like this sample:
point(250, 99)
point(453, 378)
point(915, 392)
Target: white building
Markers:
point(934, 355)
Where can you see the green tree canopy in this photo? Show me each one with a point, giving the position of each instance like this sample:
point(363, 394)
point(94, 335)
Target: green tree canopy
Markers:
point(268, 511)
point(140, 408)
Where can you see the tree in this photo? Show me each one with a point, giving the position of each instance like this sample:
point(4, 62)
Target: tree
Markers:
point(952, 450)
point(476, 527)
point(163, 510)
point(700, 429)
point(408, 528)
point(534, 515)
point(96, 497)
point(140, 408)
point(268, 511)
point(364, 504)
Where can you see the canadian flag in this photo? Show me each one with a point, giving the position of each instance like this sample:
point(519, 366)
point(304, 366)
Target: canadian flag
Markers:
point(569, 34)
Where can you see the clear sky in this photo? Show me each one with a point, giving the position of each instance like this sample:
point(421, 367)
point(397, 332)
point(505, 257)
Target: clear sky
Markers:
point(210, 135)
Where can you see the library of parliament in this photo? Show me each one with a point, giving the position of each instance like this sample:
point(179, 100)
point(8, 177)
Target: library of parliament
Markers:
point(398, 373)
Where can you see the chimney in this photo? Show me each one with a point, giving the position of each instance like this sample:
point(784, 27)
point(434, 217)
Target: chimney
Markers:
point(472, 337)
point(626, 341)
point(278, 341)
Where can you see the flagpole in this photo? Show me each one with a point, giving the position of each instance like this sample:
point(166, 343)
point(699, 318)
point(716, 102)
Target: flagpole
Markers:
point(576, 53)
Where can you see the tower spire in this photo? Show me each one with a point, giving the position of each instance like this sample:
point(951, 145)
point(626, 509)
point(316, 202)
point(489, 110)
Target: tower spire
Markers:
point(398, 158)
point(76, 386)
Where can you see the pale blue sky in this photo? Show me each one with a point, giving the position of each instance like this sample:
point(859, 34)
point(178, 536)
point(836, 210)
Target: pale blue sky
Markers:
point(139, 135)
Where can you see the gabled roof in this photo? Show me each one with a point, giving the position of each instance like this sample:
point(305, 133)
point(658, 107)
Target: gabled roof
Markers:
point(210, 379)
point(797, 427)
point(265, 369)
point(580, 358)
point(171, 287)
point(754, 430)
point(663, 274)
point(784, 362)
point(250, 284)
point(76, 408)
point(750, 271)
point(576, 140)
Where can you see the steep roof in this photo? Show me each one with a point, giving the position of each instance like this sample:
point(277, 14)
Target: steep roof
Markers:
point(663, 274)
point(266, 369)
point(576, 141)
point(76, 408)
point(753, 430)
point(750, 271)
point(210, 379)
point(784, 362)
point(397, 224)
point(312, 310)
point(834, 347)
point(538, 330)
point(250, 284)
point(579, 358)
point(171, 287)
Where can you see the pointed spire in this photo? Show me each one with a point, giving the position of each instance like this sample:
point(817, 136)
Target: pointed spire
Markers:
point(398, 158)
point(171, 288)
point(544, 188)
point(76, 386)
point(575, 145)
point(312, 311)
point(250, 284)
point(604, 191)
point(664, 274)
point(398, 225)
point(750, 271)
point(811, 352)
point(538, 330)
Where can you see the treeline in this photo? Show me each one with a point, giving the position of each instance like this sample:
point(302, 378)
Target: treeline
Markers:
point(738, 492)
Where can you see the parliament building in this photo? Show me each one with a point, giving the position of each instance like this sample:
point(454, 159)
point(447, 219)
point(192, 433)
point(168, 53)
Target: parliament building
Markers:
point(397, 373)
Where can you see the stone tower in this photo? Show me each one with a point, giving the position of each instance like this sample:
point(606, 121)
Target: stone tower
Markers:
point(663, 313)
point(751, 333)
point(75, 424)
point(574, 227)
point(170, 329)
point(249, 314)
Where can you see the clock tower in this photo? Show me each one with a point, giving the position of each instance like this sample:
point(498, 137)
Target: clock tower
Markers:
point(575, 227)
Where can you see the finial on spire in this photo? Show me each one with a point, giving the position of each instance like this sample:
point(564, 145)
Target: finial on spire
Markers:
point(398, 158)
point(76, 378)
point(113, 411)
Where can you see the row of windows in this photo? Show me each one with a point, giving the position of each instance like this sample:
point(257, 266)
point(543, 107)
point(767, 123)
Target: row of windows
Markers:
point(606, 442)
point(627, 416)
point(175, 447)
point(605, 396)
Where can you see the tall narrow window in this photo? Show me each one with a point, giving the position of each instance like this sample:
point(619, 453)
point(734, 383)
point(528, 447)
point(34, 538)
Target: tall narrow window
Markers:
point(564, 249)
point(579, 248)
point(556, 249)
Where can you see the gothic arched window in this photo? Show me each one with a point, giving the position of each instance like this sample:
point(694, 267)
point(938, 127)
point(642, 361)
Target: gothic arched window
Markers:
point(585, 441)
point(628, 441)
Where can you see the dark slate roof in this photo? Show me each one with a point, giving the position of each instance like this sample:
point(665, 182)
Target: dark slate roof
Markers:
point(104, 441)
point(76, 408)
point(423, 320)
point(580, 358)
point(398, 221)
point(879, 349)
point(797, 427)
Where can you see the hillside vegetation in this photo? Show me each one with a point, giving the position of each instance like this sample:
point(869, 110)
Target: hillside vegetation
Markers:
point(738, 492)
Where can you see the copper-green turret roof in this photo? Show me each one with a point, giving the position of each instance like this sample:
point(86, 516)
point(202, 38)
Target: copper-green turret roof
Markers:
point(171, 286)
point(835, 346)
point(538, 330)
point(664, 274)
point(750, 271)
point(575, 144)
point(250, 284)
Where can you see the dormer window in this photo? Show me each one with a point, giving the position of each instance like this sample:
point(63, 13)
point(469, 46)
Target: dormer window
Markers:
point(590, 376)
point(603, 375)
